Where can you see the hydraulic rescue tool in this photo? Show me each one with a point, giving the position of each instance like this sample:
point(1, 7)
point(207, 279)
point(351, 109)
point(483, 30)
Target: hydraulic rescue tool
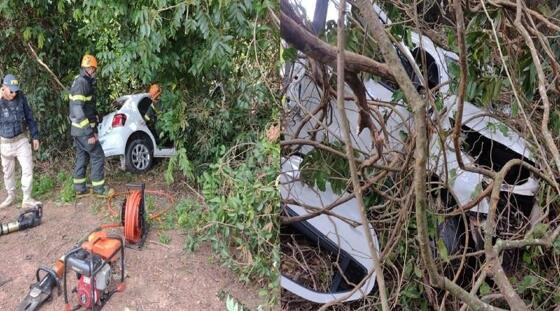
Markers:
point(94, 259)
point(28, 218)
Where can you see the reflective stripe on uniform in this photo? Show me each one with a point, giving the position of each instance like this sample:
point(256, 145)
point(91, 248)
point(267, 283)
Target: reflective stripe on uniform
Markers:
point(80, 97)
point(98, 183)
point(82, 124)
point(79, 180)
point(146, 118)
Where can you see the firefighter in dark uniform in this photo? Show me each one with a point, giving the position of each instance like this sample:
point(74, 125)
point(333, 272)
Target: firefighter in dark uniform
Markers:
point(83, 115)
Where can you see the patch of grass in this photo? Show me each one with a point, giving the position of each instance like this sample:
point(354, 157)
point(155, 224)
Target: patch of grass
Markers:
point(170, 220)
point(164, 238)
point(42, 185)
point(232, 304)
point(190, 217)
point(67, 193)
point(150, 203)
point(121, 176)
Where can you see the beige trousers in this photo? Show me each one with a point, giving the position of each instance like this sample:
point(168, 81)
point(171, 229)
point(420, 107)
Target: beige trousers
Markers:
point(20, 150)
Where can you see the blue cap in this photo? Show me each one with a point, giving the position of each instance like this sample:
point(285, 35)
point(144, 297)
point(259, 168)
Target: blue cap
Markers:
point(11, 82)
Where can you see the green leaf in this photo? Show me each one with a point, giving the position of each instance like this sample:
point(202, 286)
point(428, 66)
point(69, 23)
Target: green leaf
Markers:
point(484, 289)
point(40, 40)
point(408, 38)
point(442, 250)
point(60, 6)
point(289, 54)
point(528, 282)
point(454, 69)
point(503, 129)
point(27, 33)
point(403, 135)
point(408, 270)
point(540, 230)
point(411, 292)
point(451, 36)
point(471, 90)
point(555, 123)
point(491, 126)
point(527, 258)
point(452, 176)
point(439, 103)
point(397, 96)
point(514, 110)
point(477, 191)
point(556, 246)
point(417, 271)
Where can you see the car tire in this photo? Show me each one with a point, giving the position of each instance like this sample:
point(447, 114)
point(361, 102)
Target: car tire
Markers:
point(139, 156)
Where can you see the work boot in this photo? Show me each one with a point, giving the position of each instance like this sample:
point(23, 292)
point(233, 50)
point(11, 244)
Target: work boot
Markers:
point(83, 193)
point(104, 192)
point(8, 201)
point(30, 202)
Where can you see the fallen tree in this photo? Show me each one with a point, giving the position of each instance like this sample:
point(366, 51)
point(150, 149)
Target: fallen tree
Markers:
point(489, 71)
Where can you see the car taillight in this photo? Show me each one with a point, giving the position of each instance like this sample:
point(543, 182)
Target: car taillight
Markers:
point(119, 119)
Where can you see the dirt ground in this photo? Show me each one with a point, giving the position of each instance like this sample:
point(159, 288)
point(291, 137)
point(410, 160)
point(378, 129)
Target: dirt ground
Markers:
point(158, 277)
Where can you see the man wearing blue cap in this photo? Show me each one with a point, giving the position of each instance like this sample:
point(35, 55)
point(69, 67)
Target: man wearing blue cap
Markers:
point(15, 118)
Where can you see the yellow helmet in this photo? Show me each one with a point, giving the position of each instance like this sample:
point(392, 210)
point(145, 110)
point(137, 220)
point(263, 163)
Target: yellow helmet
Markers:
point(154, 91)
point(89, 61)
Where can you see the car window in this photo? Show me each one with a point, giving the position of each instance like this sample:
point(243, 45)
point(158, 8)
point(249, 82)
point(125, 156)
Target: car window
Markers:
point(119, 101)
point(393, 86)
point(143, 105)
point(431, 69)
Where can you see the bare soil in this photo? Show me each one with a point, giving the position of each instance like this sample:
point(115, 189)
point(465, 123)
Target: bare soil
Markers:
point(158, 277)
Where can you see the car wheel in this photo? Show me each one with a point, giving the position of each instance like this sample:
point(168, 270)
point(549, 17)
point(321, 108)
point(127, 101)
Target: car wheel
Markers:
point(139, 156)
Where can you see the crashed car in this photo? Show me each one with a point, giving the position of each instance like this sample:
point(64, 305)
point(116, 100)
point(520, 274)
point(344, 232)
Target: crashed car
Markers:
point(335, 234)
point(124, 133)
point(485, 141)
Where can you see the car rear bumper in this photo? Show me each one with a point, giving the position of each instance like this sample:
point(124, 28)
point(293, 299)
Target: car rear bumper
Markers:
point(114, 141)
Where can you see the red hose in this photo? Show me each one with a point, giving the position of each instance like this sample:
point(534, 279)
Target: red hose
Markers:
point(132, 230)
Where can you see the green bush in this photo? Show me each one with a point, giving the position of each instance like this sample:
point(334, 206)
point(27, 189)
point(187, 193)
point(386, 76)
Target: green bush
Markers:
point(240, 218)
point(42, 184)
point(67, 193)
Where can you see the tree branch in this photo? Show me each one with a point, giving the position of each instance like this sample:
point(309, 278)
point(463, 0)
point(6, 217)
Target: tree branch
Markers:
point(549, 140)
point(313, 47)
point(340, 70)
point(418, 107)
point(55, 78)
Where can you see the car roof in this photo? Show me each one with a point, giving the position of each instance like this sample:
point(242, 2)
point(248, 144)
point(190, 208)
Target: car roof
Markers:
point(133, 97)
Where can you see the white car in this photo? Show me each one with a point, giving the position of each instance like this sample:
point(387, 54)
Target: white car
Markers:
point(486, 141)
point(124, 133)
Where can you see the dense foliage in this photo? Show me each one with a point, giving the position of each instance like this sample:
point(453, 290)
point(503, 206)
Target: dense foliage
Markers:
point(216, 62)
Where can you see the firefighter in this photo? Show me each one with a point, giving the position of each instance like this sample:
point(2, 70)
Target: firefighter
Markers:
point(84, 118)
point(15, 119)
point(151, 115)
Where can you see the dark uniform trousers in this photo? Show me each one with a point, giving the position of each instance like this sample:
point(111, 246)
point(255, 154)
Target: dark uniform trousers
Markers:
point(85, 153)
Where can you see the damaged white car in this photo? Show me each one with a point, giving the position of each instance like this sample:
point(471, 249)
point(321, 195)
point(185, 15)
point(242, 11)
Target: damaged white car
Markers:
point(124, 133)
point(485, 141)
